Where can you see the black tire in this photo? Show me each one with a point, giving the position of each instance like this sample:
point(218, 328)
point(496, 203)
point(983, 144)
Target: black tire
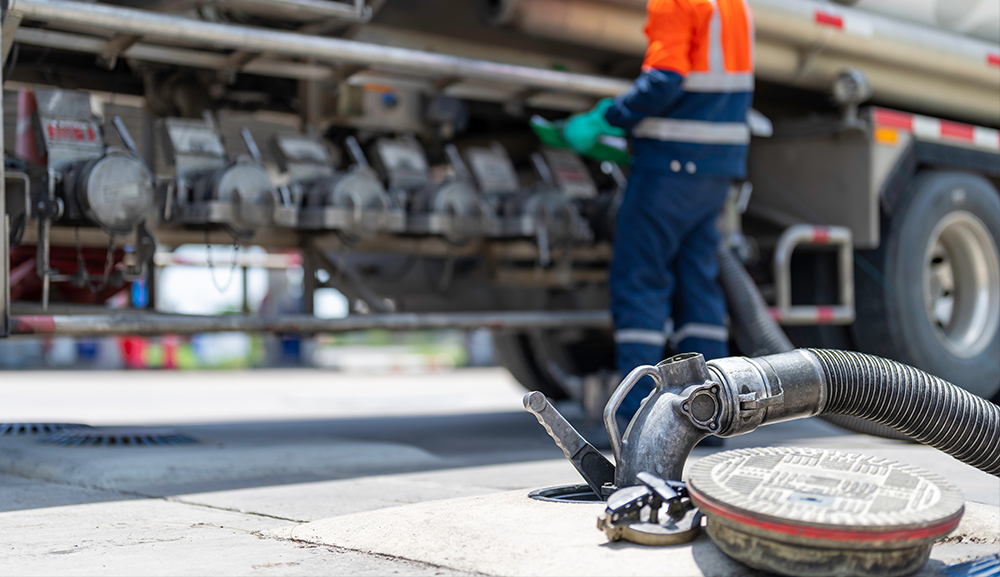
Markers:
point(514, 352)
point(892, 282)
point(552, 361)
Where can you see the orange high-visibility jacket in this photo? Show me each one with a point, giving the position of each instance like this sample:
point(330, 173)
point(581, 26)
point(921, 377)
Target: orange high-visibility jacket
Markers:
point(687, 110)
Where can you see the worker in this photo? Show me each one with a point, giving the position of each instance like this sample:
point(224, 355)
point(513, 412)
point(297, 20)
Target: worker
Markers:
point(686, 118)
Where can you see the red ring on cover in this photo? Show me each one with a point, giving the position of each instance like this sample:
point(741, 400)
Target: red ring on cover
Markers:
point(818, 533)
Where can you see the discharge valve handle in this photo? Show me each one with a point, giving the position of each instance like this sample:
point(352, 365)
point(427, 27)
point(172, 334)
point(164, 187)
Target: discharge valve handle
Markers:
point(589, 462)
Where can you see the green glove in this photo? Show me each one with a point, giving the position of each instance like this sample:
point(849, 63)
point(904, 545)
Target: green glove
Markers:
point(582, 130)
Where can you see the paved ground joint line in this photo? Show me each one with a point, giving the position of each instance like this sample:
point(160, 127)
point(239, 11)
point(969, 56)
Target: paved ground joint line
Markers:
point(385, 556)
point(136, 494)
point(229, 509)
point(261, 534)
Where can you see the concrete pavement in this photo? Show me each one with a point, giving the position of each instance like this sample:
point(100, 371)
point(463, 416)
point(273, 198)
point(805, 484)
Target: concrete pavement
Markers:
point(370, 455)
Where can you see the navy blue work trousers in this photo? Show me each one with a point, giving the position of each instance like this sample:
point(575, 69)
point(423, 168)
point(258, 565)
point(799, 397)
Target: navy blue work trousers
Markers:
point(663, 276)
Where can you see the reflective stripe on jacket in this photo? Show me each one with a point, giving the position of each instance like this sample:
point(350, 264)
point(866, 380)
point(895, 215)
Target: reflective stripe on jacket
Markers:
point(687, 110)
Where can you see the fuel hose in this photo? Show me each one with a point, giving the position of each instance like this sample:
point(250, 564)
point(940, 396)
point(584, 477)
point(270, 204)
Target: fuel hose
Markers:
point(923, 407)
point(757, 333)
point(756, 328)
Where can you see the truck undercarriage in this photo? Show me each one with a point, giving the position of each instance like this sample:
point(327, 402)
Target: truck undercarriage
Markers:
point(388, 145)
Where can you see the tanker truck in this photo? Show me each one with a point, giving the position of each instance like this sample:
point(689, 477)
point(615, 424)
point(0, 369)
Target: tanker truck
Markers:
point(387, 143)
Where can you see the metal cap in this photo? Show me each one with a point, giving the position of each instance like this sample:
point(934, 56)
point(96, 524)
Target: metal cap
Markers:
point(454, 198)
point(355, 186)
point(117, 192)
point(250, 185)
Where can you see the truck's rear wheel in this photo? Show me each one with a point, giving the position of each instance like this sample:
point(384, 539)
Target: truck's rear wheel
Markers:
point(554, 362)
point(929, 296)
point(514, 352)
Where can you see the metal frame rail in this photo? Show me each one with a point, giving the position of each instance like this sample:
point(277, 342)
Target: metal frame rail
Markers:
point(186, 33)
point(158, 324)
point(4, 233)
point(352, 10)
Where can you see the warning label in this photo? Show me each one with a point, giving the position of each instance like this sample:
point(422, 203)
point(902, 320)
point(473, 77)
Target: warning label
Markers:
point(69, 131)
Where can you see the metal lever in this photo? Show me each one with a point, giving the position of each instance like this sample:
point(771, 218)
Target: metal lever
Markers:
point(589, 462)
point(209, 119)
point(544, 172)
point(355, 152)
point(456, 162)
point(251, 145)
point(126, 138)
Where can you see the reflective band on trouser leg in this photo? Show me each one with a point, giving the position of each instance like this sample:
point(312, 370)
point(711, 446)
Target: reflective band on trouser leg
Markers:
point(640, 337)
point(700, 331)
point(693, 131)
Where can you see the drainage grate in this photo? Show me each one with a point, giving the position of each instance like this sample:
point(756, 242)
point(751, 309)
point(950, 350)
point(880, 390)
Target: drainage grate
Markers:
point(118, 437)
point(38, 428)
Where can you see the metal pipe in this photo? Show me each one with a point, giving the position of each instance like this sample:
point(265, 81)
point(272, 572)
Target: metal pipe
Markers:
point(907, 64)
point(4, 229)
point(843, 313)
point(169, 55)
point(158, 324)
point(354, 10)
point(44, 240)
point(171, 28)
point(4, 261)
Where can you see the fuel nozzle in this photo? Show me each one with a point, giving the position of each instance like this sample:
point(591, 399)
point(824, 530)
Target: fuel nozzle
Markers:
point(693, 399)
point(685, 406)
point(733, 396)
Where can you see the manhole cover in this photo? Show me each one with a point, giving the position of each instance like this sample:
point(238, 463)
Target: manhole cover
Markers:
point(815, 512)
point(37, 428)
point(118, 437)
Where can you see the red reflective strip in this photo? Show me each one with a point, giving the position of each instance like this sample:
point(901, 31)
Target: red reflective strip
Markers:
point(894, 119)
point(843, 535)
point(956, 131)
point(32, 325)
point(993, 59)
point(821, 235)
point(824, 315)
point(827, 19)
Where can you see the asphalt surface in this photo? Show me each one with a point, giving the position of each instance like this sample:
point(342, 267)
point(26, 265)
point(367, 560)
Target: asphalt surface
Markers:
point(277, 449)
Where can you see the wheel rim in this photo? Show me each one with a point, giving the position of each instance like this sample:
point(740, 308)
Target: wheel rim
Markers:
point(962, 284)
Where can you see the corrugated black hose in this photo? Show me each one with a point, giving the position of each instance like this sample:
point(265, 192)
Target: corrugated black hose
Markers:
point(755, 328)
point(926, 408)
point(758, 334)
